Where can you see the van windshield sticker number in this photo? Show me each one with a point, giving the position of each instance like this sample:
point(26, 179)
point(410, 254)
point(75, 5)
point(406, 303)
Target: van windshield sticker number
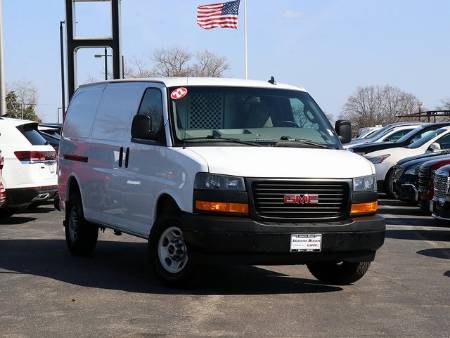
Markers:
point(179, 93)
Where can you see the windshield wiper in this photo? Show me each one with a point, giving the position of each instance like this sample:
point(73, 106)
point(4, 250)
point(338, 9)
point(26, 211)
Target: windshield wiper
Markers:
point(210, 138)
point(286, 141)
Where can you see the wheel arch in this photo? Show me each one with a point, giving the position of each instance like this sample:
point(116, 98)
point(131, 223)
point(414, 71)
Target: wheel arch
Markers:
point(165, 202)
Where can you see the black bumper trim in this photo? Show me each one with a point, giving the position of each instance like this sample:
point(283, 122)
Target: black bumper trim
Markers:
point(24, 196)
point(269, 243)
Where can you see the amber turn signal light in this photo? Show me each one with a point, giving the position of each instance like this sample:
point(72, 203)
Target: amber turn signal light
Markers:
point(364, 208)
point(222, 207)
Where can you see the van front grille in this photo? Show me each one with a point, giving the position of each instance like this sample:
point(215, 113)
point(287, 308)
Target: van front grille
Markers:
point(331, 202)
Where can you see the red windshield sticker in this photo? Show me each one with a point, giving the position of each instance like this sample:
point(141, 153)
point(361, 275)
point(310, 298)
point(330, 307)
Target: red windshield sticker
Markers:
point(179, 93)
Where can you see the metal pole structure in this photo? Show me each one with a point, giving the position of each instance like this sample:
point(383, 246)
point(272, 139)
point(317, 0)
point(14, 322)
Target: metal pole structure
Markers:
point(123, 67)
point(106, 64)
point(2, 68)
point(63, 80)
point(245, 40)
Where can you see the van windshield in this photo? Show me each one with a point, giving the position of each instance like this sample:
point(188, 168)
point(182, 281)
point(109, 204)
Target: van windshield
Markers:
point(248, 116)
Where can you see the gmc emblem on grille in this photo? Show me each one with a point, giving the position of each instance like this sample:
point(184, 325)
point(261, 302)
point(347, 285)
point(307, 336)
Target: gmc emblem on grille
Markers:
point(301, 199)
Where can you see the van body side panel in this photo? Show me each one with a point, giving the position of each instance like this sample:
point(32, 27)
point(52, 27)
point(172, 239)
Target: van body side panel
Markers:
point(154, 171)
point(106, 202)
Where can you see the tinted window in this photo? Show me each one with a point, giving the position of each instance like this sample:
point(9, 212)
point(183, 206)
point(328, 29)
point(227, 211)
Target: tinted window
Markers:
point(444, 141)
point(32, 135)
point(250, 114)
point(152, 106)
point(120, 102)
point(82, 110)
point(397, 135)
point(426, 136)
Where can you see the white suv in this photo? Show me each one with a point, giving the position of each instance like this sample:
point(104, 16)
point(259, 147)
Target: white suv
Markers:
point(217, 170)
point(29, 172)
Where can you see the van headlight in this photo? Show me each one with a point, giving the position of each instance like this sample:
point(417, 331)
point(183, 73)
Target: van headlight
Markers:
point(206, 181)
point(220, 194)
point(365, 183)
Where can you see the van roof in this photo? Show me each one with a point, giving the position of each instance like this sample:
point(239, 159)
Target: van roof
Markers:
point(205, 81)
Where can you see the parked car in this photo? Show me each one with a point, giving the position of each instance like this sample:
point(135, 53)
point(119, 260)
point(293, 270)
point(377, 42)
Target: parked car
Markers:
point(51, 132)
point(441, 197)
point(217, 170)
point(368, 131)
point(406, 140)
point(389, 133)
point(29, 173)
point(406, 175)
point(385, 160)
point(425, 187)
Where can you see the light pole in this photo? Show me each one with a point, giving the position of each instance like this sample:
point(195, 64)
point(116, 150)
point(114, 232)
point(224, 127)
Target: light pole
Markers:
point(2, 68)
point(105, 55)
point(63, 80)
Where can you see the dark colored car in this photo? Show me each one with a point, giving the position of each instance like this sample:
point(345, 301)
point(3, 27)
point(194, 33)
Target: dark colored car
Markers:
point(441, 196)
point(412, 136)
point(405, 176)
point(52, 139)
point(426, 180)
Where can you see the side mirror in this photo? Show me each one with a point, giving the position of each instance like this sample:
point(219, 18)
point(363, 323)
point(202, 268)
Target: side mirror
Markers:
point(344, 130)
point(141, 127)
point(435, 147)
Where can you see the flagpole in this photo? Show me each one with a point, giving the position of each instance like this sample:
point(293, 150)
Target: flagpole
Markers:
point(245, 40)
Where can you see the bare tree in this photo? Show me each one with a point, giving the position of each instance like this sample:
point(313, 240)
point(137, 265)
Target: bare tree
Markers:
point(373, 105)
point(137, 68)
point(178, 62)
point(445, 104)
point(172, 62)
point(209, 65)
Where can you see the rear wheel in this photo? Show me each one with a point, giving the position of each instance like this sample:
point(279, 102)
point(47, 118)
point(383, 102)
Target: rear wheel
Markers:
point(81, 235)
point(339, 273)
point(169, 252)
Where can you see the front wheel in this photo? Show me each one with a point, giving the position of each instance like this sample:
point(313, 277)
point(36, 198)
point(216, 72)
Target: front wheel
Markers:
point(169, 253)
point(339, 273)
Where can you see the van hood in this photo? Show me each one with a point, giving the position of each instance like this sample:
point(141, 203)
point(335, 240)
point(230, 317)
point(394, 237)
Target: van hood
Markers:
point(284, 162)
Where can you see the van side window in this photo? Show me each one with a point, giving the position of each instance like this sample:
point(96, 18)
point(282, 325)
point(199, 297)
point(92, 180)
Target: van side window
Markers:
point(82, 111)
point(152, 105)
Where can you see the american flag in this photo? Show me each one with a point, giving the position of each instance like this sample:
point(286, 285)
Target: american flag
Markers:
point(224, 15)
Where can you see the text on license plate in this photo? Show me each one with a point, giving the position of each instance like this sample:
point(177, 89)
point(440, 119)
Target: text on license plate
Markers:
point(306, 242)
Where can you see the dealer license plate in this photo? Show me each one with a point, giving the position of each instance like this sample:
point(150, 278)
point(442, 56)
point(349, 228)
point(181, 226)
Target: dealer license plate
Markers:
point(306, 242)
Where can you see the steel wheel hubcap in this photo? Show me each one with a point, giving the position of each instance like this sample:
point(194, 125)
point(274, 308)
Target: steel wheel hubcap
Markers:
point(172, 250)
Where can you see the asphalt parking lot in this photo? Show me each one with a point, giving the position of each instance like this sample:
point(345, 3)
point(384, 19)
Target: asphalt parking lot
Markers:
point(46, 292)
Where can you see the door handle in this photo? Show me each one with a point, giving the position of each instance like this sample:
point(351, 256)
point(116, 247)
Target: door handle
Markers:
point(127, 157)
point(120, 157)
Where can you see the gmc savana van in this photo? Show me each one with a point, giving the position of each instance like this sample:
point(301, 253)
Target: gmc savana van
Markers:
point(217, 170)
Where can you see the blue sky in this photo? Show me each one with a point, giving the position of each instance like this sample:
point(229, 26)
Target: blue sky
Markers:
point(329, 46)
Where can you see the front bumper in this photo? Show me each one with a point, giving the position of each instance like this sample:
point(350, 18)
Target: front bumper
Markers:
point(16, 198)
point(246, 241)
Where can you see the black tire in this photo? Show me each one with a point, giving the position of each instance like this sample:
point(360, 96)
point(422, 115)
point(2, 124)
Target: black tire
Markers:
point(173, 279)
point(338, 273)
point(388, 184)
point(81, 235)
point(5, 213)
point(425, 207)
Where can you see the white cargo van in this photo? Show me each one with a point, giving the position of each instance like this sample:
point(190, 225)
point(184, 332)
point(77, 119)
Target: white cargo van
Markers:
point(217, 170)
